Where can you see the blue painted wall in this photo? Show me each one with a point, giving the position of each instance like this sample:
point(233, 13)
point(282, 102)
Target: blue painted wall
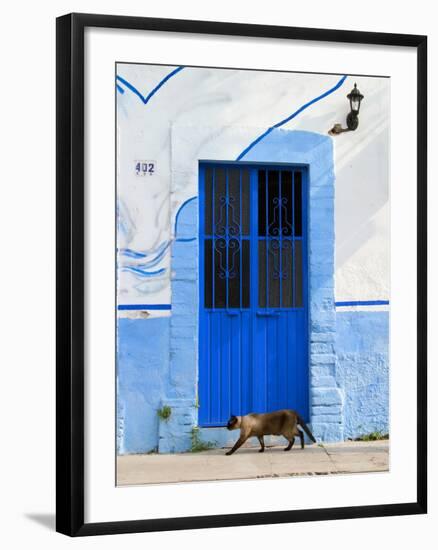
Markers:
point(176, 433)
point(362, 370)
point(348, 351)
point(142, 380)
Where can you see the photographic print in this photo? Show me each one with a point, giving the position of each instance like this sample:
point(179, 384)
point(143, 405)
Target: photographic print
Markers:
point(252, 273)
point(241, 274)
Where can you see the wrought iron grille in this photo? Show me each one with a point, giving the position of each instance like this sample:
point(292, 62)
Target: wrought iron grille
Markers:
point(227, 238)
point(252, 218)
point(280, 238)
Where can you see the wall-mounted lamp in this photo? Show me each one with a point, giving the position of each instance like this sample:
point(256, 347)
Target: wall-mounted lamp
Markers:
point(355, 98)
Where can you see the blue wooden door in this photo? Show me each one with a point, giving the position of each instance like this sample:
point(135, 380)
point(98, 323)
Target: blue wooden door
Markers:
point(253, 336)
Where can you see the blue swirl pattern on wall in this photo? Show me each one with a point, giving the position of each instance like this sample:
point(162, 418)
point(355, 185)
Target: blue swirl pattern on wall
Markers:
point(156, 255)
point(131, 253)
point(143, 273)
point(140, 269)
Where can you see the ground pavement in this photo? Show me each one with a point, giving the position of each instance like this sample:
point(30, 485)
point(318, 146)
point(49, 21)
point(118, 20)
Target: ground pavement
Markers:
point(247, 463)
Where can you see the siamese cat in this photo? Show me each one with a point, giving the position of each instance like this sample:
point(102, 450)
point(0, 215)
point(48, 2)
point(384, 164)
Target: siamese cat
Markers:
point(284, 422)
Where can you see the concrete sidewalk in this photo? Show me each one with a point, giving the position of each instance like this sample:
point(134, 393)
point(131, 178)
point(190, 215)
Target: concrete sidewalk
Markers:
point(248, 463)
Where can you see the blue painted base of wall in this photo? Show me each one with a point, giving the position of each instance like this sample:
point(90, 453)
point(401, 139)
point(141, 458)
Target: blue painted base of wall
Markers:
point(361, 373)
point(362, 370)
point(142, 380)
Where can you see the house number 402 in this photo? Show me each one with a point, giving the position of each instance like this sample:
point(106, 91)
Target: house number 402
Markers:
point(145, 167)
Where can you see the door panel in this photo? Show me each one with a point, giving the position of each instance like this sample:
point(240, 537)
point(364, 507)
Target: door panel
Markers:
point(253, 287)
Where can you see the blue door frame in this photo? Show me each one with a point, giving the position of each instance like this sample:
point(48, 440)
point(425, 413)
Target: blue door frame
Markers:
point(253, 290)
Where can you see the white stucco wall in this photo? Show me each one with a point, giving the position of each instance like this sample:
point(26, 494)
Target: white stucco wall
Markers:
point(229, 109)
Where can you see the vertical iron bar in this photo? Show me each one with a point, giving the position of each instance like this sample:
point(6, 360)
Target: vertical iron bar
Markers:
point(240, 238)
point(253, 281)
point(293, 239)
point(240, 294)
point(280, 234)
point(227, 237)
point(266, 322)
point(213, 236)
point(266, 237)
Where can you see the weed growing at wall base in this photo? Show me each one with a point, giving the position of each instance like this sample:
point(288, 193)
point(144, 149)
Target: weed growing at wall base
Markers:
point(373, 436)
point(164, 413)
point(197, 444)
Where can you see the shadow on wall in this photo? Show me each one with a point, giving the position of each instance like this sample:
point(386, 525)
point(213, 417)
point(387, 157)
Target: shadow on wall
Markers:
point(362, 188)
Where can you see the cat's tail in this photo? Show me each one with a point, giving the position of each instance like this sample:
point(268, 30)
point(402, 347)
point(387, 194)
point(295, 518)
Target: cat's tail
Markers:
point(305, 428)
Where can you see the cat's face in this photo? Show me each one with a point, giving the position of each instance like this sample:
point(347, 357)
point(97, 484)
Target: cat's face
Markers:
point(233, 422)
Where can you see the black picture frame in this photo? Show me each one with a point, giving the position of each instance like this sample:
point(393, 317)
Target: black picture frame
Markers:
point(70, 273)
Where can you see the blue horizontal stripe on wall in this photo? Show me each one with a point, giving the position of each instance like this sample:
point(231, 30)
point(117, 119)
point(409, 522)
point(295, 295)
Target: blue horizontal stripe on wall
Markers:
point(169, 306)
point(363, 303)
point(144, 306)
